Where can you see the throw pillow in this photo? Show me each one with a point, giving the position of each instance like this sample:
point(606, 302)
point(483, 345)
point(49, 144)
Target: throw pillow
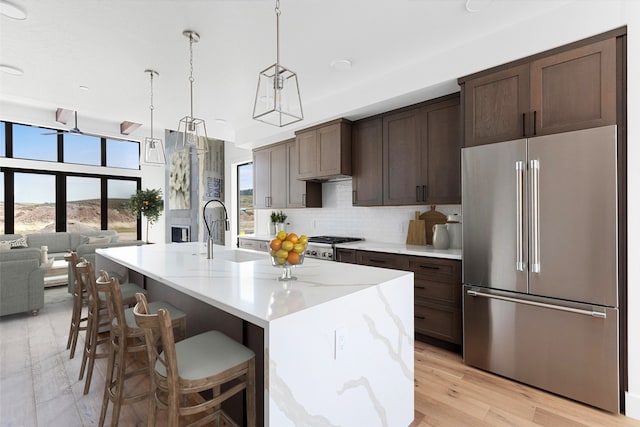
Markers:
point(20, 242)
point(115, 238)
point(99, 239)
point(5, 245)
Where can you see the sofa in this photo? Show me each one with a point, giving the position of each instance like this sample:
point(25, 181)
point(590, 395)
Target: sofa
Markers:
point(22, 272)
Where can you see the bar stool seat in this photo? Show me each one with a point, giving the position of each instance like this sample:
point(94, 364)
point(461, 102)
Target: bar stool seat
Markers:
point(203, 362)
point(126, 339)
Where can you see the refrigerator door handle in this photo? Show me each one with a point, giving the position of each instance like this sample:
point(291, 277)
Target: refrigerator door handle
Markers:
point(520, 173)
point(592, 313)
point(534, 165)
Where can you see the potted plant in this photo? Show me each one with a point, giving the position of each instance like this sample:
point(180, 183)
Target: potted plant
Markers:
point(277, 221)
point(149, 203)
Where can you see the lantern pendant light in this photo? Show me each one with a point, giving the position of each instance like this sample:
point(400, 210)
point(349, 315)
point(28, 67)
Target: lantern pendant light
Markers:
point(153, 150)
point(192, 132)
point(278, 95)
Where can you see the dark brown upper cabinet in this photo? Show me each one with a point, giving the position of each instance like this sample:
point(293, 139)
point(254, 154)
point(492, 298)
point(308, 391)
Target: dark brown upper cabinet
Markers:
point(421, 153)
point(274, 179)
point(324, 152)
point(566, 89)
point(366, 162)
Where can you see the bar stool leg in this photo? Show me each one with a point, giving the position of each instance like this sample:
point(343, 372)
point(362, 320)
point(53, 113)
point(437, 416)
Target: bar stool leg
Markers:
point(88, 338)
point(105, 398)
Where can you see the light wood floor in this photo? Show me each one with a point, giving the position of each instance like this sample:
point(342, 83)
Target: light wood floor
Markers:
point(39, 384)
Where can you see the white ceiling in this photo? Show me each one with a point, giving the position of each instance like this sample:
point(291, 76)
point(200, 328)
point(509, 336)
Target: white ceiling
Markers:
point(107, 45)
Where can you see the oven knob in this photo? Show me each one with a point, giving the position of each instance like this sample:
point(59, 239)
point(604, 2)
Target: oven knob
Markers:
point(308, 252)
point(329, 255)
point(314, 253)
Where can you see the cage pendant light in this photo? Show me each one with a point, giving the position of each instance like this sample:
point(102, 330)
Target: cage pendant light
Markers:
point(278, 95)
point(153, 150)
point(192, 131)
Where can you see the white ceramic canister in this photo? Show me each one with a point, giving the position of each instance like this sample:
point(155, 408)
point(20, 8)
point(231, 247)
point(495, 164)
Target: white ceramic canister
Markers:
point(454, 228)
point(440, 236)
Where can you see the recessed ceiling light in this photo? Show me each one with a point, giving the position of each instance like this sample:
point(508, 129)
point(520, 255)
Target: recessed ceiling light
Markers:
point(473, 6)
point(341, 64)
point(85, 88)
point(11, 10)
point(221, 121)
point(10, 69)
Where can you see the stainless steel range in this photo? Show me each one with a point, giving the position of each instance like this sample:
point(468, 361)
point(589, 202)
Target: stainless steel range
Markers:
point(323, 247)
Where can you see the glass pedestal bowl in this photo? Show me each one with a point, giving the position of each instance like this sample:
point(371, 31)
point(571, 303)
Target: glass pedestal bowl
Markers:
point(287, 264)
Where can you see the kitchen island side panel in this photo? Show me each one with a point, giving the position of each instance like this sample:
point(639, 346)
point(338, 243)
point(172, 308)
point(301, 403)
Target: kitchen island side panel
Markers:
point(349, 362)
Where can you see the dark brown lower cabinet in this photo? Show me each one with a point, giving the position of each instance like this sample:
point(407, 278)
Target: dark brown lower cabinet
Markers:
point(437, 292)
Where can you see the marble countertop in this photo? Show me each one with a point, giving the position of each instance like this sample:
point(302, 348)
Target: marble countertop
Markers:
point(393, 248)
point(244, 282)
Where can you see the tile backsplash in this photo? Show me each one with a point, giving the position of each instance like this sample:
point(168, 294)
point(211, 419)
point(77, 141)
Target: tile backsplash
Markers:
point(338, 217)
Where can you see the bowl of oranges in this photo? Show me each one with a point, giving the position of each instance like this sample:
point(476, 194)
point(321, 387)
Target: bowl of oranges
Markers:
point(287, 251)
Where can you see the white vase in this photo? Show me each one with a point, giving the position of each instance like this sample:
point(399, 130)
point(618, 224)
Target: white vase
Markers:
point(440, 236)
point(279, 226)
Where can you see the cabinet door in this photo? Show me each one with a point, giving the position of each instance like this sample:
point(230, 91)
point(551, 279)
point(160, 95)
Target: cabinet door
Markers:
point(494, 105)
point(401, 157)
point(575, 89)
point(441, 158)
point(261, 178)
point(279, 175)
point(306, 145)
point(366, 157)
point(382, 259)
point(296, 188)
point(329, 140)
point(346, 255)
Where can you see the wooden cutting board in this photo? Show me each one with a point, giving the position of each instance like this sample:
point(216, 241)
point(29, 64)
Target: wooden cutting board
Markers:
point(416, 234)
point(431, 218)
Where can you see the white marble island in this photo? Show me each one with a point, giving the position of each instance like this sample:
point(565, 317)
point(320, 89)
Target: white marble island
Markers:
point(336, 344)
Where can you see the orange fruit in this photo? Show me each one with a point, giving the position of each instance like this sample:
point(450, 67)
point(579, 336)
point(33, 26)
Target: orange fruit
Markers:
point(293, 258)
point(275, 244)
point(292, 237)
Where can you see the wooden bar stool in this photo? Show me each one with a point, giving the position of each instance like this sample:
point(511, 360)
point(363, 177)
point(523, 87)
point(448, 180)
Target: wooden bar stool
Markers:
point(78, 322)
point(98, 318)
point(126, 339)
point(184, 369)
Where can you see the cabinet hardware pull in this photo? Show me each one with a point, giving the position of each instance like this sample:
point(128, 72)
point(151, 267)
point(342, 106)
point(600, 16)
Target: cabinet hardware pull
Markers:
point(267, 201)
point(419, 287)
point(430, 267)
point(523, 118)
point(304, 200)
point(424, 193)
point(534, 121)
point(377, 260)
point(419, 317)
point(353, 197)
point(417, 193)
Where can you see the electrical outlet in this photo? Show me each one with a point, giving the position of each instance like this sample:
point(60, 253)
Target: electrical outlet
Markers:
point(340, 343)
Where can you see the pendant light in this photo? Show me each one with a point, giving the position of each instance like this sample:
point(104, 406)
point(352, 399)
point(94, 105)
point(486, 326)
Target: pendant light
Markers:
point(153, 150)
point(278, 95)
point(192, 131)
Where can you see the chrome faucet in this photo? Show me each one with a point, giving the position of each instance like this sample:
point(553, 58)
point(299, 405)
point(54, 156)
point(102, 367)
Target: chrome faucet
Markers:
point(204, 219)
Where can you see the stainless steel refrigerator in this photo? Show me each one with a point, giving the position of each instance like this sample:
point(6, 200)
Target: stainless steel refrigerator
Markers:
point(540, 263)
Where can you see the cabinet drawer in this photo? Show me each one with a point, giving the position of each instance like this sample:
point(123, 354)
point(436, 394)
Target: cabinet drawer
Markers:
point(346, 255)
point(446, 293)
point(256, 245)
point(381, 259)
point(444, 270)
point(438, 321)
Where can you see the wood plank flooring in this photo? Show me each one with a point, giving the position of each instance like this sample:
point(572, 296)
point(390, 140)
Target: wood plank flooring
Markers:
point(39, 384)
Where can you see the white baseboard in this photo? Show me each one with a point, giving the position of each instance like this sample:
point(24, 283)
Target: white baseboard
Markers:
point(632, 405)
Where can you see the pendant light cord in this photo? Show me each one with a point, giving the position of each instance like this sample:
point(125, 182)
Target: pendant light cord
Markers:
point(151, 105)
point(191, 79)
point(276, 80)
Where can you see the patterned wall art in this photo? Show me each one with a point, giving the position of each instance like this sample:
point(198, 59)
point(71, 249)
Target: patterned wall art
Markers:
point(180, 180)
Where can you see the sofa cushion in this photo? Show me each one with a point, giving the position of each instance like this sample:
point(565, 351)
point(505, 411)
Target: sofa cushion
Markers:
point(8, 237)
point(57, 242)
point(5, 245)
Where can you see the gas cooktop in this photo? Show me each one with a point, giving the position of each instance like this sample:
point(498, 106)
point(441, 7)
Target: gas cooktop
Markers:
point(332, 240)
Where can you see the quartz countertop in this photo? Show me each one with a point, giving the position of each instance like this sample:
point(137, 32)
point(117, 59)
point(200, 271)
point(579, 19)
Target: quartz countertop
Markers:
point(403, 249)
point(392, 248)
point(243, 282)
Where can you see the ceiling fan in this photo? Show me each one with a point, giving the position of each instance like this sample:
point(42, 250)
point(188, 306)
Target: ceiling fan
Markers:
point(62, 117)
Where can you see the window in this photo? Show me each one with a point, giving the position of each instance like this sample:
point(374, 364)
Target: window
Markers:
point(123, 154)
point(83, 204)
point(2, 203)
point(82, 149)
point(35, 203)
point(118, 216)
point(30, 143)
point(3, 149)
point(246, 223)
